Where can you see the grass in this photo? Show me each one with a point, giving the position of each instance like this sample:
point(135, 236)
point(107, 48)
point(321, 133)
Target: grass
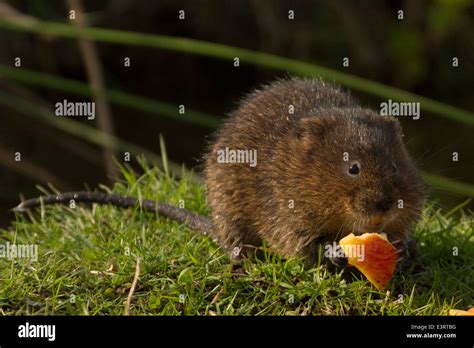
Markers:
point(146, 105)
point(87, 260)
point(219, 51)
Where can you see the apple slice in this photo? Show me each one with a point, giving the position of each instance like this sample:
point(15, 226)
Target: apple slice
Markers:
point(461, 312)
point(373, 255)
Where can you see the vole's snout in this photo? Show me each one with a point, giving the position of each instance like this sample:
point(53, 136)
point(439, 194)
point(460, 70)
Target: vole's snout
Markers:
point(384, 205)
point(376, 206)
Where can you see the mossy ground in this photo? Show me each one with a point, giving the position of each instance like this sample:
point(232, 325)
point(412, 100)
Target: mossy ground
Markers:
point(87, 260)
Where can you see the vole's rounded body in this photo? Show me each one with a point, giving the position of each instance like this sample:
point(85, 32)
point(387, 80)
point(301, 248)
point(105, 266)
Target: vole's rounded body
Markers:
point(324, 167)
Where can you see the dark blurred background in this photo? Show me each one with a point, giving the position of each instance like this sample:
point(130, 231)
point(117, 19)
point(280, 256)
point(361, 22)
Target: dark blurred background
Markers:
point(414, 54)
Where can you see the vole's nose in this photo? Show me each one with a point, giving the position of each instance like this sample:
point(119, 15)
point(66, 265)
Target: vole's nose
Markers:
point(384, 204)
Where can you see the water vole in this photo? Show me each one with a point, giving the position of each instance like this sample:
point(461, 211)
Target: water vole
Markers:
point(299, 163)
point(325, 167)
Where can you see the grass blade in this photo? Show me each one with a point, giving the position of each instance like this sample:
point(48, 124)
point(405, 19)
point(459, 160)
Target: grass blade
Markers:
point(82, 131)
point(133, 101)
point(449, 185)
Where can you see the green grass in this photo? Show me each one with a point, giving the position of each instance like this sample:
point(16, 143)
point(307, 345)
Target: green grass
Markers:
point(87, 260)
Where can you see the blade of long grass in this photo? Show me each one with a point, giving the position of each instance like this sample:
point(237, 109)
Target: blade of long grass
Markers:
point(458, 207)
point(82, 131)
point(449, 185)
point(246, 56)
point(164, 155)
point(133, 101)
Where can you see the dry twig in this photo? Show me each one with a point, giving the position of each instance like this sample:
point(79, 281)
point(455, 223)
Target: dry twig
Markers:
point(132, 288)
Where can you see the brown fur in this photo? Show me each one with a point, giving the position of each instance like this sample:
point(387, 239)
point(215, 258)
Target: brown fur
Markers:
point(300, 158)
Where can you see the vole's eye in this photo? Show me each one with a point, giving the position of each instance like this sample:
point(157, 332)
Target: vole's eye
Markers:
point(354, 168)
point(394, 168)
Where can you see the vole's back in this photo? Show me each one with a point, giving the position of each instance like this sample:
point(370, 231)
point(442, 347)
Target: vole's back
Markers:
point(265, 177)
point(272, 109)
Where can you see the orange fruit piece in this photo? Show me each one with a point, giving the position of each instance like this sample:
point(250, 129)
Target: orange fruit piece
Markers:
point(461, 312)
point(373, 255)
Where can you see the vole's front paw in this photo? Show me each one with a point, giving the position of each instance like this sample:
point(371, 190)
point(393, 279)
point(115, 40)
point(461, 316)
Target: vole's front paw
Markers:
point(338, 262)
point(407, 250)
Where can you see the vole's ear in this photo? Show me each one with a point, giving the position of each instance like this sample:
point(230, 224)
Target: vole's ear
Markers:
point(392, 123)
point(310, 127)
